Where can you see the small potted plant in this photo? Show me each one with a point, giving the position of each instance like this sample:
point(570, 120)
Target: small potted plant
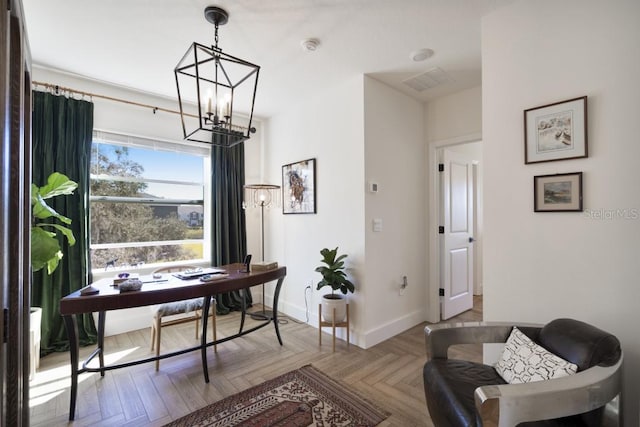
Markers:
point(334, 276)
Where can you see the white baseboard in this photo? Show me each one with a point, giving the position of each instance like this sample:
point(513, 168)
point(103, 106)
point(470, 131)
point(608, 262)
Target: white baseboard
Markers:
point(131, 319)
point(366, 340)
point(296, 312)
point(391, 329)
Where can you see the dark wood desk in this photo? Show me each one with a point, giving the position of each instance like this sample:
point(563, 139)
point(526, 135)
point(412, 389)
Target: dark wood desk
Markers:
point(110, 298)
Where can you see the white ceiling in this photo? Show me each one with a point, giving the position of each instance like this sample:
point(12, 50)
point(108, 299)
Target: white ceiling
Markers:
point(137, 43)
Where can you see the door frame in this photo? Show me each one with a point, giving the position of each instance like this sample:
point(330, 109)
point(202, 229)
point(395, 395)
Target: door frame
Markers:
point(15, 214)
point(433, 289)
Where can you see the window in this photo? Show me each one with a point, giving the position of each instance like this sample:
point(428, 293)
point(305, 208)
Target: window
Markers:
point(148, 202)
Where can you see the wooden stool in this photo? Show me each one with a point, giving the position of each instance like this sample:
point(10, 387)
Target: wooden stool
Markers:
point(333, 324)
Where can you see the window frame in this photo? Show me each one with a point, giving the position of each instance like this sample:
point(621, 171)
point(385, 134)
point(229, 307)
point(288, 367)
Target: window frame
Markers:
point(156, 144)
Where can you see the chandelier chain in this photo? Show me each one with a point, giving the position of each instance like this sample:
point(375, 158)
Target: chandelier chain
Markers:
point(216, 34)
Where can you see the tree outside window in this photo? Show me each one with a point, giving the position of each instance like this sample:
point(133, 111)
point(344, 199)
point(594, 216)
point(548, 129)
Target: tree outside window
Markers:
point(146, 206)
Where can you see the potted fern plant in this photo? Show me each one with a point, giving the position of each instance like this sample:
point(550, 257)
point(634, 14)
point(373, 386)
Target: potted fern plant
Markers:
point(334, 275)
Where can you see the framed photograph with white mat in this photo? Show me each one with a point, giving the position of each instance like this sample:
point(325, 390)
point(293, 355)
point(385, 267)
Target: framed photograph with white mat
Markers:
point(556, 131)
point(558, 193)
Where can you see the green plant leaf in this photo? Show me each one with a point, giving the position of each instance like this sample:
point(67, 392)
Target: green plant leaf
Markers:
point(53, 262)
point(64, 230)
point(43, 247)
point(328, 255)
point(42, 210)
point(57, 184)
point(35, 191)
point(333, 274)
point(340, 258)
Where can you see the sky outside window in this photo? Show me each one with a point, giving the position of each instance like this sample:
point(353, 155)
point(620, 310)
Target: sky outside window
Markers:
point(165, 165)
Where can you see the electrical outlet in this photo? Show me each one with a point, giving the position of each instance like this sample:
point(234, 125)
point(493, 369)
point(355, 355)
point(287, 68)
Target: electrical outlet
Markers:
point(403, 285)
point(307, 289)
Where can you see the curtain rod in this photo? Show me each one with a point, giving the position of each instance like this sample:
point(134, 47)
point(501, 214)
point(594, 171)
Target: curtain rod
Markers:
point(58, 88)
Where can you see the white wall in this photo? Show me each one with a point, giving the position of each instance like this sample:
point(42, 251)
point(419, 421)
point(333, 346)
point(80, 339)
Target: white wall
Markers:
point(359, 132)
point(395, 159)
point(329, 128)
point(139, 121)
point(455, 116)
point(539, 266)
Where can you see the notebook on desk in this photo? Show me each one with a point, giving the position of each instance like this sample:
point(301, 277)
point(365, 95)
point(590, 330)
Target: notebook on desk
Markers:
point(198, 272)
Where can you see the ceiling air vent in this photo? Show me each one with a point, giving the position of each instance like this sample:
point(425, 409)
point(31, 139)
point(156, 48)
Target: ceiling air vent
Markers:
point(427, 80)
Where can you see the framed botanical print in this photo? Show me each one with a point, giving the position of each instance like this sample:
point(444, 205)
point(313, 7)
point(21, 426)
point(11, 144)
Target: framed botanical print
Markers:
point(299, 187)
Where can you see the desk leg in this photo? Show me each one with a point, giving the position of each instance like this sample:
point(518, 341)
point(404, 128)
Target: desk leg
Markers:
point(276, 295)
point(244, 308)
point(101, 322)
point(203, 340)
point(71, 325)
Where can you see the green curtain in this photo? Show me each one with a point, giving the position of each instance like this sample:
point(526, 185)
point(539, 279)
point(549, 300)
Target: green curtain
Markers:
point(62, 133)
point(229, 231)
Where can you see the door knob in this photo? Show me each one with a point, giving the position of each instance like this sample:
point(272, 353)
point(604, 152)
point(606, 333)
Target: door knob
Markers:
point(471, 239)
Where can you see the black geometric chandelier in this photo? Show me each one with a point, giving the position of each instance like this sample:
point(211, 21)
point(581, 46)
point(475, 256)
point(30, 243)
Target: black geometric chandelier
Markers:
point(221, 83)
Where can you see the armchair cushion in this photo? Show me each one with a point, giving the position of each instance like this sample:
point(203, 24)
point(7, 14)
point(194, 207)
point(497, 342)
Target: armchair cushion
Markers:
point(524, 361)
point(456, 382)
point(580, 343)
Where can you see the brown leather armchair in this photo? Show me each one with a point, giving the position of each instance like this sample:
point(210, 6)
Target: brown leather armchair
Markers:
point(464, 393)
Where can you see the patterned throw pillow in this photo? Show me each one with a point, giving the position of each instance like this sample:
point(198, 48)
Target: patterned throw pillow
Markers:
point(524, 361)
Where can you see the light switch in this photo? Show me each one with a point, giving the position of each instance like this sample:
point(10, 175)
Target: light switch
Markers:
point(377, 224)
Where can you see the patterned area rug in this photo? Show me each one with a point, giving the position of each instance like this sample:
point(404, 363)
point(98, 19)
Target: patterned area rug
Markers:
point(304, 397)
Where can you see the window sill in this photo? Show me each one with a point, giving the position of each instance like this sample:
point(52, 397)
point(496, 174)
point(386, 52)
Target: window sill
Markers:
point(144, 269)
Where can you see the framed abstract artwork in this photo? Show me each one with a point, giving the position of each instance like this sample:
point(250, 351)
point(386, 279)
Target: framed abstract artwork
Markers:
point(299, 187)
point(558, 193)
point(556, 131)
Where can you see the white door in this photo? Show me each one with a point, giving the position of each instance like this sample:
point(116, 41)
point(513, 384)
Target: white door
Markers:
point(456, 242)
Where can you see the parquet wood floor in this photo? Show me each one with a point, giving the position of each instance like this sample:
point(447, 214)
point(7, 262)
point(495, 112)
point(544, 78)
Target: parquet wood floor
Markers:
point(389, 374)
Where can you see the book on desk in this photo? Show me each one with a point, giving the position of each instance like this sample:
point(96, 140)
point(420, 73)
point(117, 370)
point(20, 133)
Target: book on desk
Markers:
point(199, 272)
point(264, 265)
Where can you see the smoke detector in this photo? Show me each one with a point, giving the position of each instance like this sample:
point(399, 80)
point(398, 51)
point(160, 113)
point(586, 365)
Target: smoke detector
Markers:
point(310, 45)
point(421, 54)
